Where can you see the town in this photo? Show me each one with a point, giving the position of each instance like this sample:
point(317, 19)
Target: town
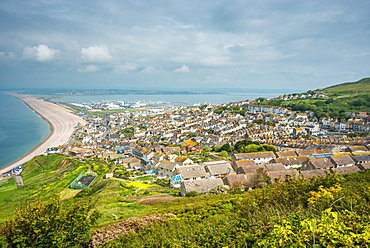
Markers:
point(191, 147)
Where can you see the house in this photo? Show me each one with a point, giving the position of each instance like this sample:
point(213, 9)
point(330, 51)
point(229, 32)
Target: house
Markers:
point(361, 159)
point(280, 176)
point(199, 186)
point(364, 166)
point(166, 168)
point(274, 167)
point(196, 172)
point(354, 149)
point(137, 166)
point(314, 164)
point(249, 169)
point(312, 152)
point(219, 168)
point(239, 163)
point(257, 157)
point(291, 162)
point(298, 131)
point(183, 161)
point(231, 180)
point(286, 154)
point(342, 161)
point(311, 173)
point(127, 161)
point(345, 170)
point(169, 149)
point(322, 155)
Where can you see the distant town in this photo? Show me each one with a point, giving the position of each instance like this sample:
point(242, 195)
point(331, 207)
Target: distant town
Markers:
point(192, 147)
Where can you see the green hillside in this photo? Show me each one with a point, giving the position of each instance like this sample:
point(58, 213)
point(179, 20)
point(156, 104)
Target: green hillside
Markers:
point(360, 87)
point(43, 177)
point(48, 176)
point(337, 99)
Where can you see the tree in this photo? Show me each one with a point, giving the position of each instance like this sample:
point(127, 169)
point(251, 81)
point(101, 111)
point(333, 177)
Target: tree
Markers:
point(269, 147)
point(252, 148)
point(227, 147)
point(364, 134)
point(242, 143)
point(223, 154)
point(351, 135)
point(50, 224)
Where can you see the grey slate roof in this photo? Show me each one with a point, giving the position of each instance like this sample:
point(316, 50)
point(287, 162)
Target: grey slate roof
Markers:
point(311, 173)
point(274, 167)
point(362, 159)
point(219, 169)
point(249, 169)
point(189, 172)
point(286, 154)
point(321, 163)
point(281, 175)
point(364, 166)
point(231, 180)
point(201, 186)
point(342, 160)
point(345, 170)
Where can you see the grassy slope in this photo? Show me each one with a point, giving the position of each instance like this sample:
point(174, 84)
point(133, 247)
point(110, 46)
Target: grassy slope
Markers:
point(46, 176)
point(43, 177)
point(360, 87)
point(274, 216)
point(354, 96)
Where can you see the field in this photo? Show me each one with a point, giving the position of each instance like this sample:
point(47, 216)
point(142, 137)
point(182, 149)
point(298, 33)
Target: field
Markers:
point(116, 199)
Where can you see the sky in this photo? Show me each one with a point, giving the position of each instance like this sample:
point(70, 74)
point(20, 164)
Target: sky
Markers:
point(173, 44)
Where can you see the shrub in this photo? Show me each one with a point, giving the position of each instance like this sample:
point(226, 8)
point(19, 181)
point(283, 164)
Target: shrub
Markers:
point(50, 224)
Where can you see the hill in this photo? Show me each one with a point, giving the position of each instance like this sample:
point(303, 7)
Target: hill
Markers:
point(360, 87)
point(334, 102)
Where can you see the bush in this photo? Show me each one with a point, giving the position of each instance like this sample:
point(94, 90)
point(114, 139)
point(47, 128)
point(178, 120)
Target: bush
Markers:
point(50, 224)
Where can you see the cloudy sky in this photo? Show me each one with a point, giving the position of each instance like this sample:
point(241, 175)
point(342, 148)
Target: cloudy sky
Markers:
point(260, 44)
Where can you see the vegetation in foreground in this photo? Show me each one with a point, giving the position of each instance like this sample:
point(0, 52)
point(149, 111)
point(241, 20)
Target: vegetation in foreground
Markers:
point(320, 212)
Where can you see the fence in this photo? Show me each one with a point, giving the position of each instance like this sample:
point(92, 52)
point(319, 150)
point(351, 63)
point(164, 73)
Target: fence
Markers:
point(84, 180)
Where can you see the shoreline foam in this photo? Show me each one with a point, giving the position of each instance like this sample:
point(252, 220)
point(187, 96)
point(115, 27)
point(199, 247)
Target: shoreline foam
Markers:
point(61, 121)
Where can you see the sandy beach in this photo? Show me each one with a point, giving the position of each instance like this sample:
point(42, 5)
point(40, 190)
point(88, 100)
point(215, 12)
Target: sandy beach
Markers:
point(61, 121)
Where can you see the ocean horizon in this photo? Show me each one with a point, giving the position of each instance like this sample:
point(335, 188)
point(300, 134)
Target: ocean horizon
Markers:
point(175, 99)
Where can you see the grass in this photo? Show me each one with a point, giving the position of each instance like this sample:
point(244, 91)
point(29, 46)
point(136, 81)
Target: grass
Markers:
point(140, 185)
point(116, 199)
point(44, 177)
point(351, 88)
point(68, 193)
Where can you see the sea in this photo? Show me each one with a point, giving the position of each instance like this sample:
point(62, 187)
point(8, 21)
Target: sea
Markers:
point(21, 129)
point(173, 99)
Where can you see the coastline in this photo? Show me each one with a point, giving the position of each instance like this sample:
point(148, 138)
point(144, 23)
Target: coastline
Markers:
point(61, 122)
